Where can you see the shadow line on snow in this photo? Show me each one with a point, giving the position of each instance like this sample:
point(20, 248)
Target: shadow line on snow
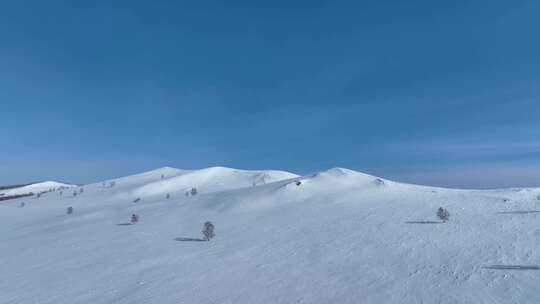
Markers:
point(124, 224)
point(519, 212)
point(183, 239)
point(423, 222)
point(512, 267)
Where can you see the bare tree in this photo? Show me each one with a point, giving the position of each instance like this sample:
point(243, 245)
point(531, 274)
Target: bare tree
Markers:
point(208, 231)
point(193, 191)
point(443, 214)
point(69, 210)
point(134, 218)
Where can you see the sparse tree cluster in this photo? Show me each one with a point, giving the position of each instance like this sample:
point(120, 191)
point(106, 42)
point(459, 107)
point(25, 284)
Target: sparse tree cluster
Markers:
point(443, 214)
point(208, 231)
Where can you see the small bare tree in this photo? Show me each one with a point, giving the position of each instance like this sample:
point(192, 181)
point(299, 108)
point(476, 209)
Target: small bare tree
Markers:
point(208, 231)
point(69, 210)
point(443, 214)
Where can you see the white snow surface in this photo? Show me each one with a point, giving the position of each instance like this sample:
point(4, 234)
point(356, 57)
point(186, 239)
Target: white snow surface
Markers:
point(36, 188)
point(337, 236)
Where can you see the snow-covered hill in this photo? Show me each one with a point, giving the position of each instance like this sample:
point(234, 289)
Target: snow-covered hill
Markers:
point(36, 188)
point(337, 236)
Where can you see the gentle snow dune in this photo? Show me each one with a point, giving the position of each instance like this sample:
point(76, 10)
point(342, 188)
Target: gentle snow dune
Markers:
point(337, 236)
point(36, 188)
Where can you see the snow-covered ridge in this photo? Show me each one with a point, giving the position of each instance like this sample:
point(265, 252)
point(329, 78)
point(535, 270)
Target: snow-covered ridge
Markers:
point(37, 188)
point(212, 179)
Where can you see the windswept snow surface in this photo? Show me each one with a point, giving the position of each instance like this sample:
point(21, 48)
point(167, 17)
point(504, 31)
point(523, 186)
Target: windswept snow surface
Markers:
point(337, 236)
point(35, 188)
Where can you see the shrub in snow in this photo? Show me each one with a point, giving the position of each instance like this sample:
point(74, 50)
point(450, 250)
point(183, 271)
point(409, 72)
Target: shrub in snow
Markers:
point(21, 205)
point(193, 191)
point(298, 183)
point(74, 193)
point(162, 176)
point(112, 184)
point(38, 195)
point(208, 231)
point(134, 218)
point(61, 192)
point(167, 196)
point(443, 214)
point(81, 190)
point(69, 210)
point(187, 193)
point(138, 199)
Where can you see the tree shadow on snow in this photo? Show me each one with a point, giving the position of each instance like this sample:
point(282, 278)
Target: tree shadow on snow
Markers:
point(124, 224)
point(519, 212)
point(423, 222)
point(183, 239)
point(512, 267)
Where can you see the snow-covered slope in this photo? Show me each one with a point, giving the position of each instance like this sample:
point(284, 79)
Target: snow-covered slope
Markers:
point(212, 180)
point(36, 188)
point(337, 236)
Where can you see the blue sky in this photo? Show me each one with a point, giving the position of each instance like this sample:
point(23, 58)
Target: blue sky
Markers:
point(418, 91)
